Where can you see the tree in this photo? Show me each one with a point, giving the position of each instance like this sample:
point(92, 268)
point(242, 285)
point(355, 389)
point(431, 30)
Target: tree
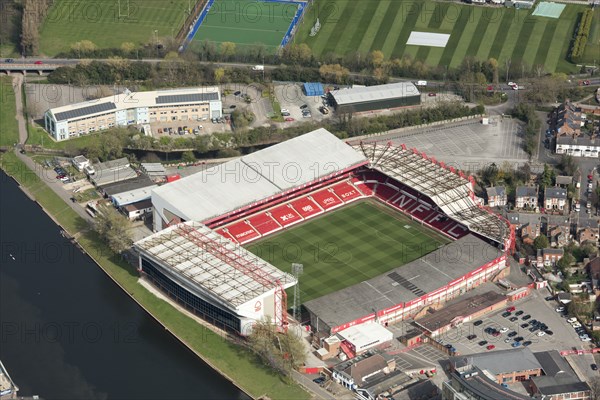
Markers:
point(219, 74)
point(376, 58)
point(493, 63)
point(227, 49)
point(281, 351)
point(113, 228)
point(334, 73)
point(490, 174)
point(541, 242)
point(594, 383)
point(565, 262)
point(567, 164)
point(547, 176)
point(83, 48)
point(188, 157)
point(127, 47)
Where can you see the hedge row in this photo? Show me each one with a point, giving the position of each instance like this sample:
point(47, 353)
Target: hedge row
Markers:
point(583, 32)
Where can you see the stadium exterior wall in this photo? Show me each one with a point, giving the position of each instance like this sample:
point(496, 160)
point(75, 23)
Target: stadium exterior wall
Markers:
point(203, 304)
point(411, 308)
point(375, 105)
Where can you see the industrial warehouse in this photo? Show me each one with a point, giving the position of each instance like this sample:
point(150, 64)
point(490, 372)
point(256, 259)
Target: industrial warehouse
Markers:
point(133, 108)
point(369, 98)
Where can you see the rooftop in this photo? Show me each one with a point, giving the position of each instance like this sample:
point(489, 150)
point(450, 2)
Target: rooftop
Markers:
point(499, 361)
point(153, 169)
point(564, 180)
point(374, 93)
point(138, 182)
point(206, 262)
point(495, 191)
point(459, 309)
point(555, 193)
point(128, 100)
point(526, 191)
point(405, 283)
point(140, 205)
point(132, 196)
point(244, 181)
point(476, 382)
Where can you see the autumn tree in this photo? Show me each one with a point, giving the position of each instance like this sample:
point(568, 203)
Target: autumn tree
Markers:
point(334, 73)
point(376, 58)
point(227, 49)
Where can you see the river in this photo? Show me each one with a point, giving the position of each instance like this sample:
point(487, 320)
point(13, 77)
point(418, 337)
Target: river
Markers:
point(67, 331)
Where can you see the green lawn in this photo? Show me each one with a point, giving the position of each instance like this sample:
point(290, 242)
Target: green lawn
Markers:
point(9, 131)
point(347, 246)
point(99, 21)
point(38, 136)
point(246, 22)
point(592, 50)
point(233, 360)
point(481, 32)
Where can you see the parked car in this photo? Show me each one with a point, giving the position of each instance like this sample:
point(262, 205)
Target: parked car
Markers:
point(549, 332)
point(526, 317)
point(511, 309)
point(491, 347)
point(586, 83)
point(284, 110)
point(319, 380)
point(513, 319)
point(594, 367)
point(506, 314)
point(527, 343)
point(519, 339)
point(289, 119)
point(507, 340)
point(483, 343)
point(9, 60)
point(572, 320)
point(496, 333)
point(285, 114)
point(237, 93)
point(478, 322)
point(431, 94)
point(541, 333)
point(524, 325)
point(503, 329)
point(516, 344)
point(520, 312)
point(533, 329)
point(576, 325)
point(534, 322)
point(586, 339)
point(471, 337)
point(560, 309)
point(304, 106)
point(512, 334)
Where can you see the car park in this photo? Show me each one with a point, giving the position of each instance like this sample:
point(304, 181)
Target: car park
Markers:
point(478, 322)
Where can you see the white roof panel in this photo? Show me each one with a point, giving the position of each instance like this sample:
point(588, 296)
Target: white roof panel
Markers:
point(132, 196)
point(375, 93)
point(212, 264)
point(367, 335)
point(255, 177)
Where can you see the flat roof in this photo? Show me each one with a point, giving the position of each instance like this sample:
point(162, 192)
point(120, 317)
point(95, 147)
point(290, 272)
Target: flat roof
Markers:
point(499, 361)
point(243, 181)
point(363, 334)
point(138, 182)
point(374, 93)
point(107, 176)
point(140, 205)
point(154, 169)
point(405, 283)
point(133, 196)
point(478, 383)
point(127, 100)
point(459, 309)
point(209, 263)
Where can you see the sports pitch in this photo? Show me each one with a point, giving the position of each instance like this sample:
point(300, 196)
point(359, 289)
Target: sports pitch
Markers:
point(100, 22)
point(350, 245)
point(247, 22)
point(348, 26)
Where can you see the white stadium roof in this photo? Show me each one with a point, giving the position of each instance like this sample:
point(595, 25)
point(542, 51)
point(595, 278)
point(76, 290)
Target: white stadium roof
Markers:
point(451, 192)
point(375, 93)
point(255, 177)
point(212, 265)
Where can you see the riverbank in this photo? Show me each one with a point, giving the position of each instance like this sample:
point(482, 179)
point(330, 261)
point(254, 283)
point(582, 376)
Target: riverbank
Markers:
point(234, 362)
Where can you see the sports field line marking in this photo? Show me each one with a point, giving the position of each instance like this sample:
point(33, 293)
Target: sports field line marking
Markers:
point(437, 269)
point(378, 291)
point(241, 29)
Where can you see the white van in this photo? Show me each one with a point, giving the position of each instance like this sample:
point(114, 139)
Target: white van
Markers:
point(421, 83)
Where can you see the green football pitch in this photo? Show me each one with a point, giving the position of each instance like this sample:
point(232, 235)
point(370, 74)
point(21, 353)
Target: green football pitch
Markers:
point(246, 22)
point(101, 22)
point(349, 26)
point(347, 246)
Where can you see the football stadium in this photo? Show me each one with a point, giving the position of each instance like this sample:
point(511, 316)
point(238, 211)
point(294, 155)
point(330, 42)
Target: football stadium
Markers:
point(382, 232)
